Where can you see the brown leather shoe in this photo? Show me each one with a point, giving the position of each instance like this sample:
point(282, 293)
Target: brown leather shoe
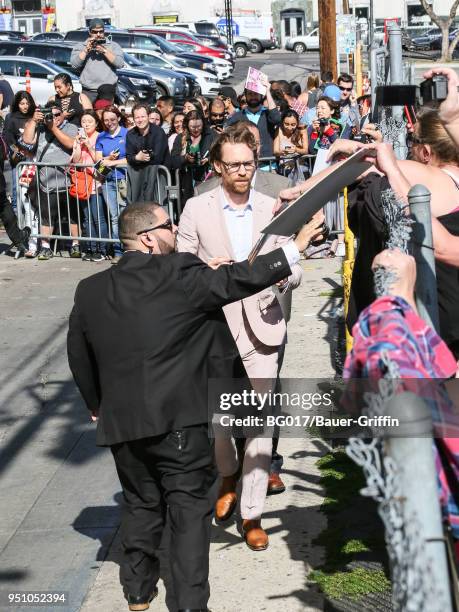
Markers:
point(255, 536)
point(275, 484)
point(227, 498)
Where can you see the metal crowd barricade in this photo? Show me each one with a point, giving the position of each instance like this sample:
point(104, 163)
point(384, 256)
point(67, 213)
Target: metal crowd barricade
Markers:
point(44, 201)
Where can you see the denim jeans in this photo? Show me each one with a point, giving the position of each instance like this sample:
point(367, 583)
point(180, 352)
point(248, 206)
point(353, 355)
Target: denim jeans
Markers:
point(115, 205)
point(95, 223)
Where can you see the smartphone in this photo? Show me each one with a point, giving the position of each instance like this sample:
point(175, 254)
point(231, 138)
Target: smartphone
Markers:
point(81, 133)
point(115, 152)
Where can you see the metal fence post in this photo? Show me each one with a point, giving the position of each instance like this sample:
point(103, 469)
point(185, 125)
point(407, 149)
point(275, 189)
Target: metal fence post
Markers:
point(422, 250)
point(410, 445)
point(396, 78)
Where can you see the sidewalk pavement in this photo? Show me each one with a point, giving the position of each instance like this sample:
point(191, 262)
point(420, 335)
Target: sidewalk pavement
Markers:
point(59, 494)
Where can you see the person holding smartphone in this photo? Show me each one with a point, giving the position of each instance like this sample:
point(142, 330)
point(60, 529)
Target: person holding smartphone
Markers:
point(111, 154)
point(291, 136)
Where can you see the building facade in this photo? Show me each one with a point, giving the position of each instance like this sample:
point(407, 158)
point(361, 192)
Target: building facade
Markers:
point(28, 16)
point(290, 17)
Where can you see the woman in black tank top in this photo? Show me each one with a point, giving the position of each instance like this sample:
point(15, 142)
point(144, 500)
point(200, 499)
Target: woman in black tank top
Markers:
point(70, 102)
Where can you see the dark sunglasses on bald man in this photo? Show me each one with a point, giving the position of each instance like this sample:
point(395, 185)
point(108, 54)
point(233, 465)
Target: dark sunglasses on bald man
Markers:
point(167, 225)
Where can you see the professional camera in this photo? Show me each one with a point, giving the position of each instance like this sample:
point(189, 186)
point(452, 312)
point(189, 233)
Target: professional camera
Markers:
point(434, 89)
point(98, 41)
point(323, 122)
point(46, 112)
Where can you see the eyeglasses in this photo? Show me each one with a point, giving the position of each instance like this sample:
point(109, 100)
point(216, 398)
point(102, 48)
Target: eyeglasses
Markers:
point(345, 88)
point(58, 114)
point(167, 225)
point(233, 167)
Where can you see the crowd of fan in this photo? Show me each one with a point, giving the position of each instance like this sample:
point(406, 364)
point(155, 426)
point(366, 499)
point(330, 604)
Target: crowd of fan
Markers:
point(123, 145)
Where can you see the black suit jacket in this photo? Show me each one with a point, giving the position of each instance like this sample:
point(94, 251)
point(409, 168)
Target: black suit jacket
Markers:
point(145, 337)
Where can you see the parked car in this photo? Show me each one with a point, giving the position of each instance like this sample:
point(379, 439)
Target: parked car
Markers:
point(168, 82)
point(431, 40)
point(48, 36)
point(14, 34)
point(306, 42)
point(136, 82)
point(192, 60)
point(185, 37)
point(208, 83)
point(223, 66)
point(241, 44)
point(42, 75)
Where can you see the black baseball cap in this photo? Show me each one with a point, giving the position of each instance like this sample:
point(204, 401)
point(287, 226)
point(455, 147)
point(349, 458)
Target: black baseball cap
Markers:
point(229, 92)
point(96, 23)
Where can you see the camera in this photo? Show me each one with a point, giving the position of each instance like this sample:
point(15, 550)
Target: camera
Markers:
point(363, 138)
point(323, 122)
point(98, 41)
point(149, 152)
point(46, 112)
point(434, 89)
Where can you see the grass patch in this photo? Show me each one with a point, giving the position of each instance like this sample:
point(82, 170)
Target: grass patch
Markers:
point(354, 584)
point(354, 533)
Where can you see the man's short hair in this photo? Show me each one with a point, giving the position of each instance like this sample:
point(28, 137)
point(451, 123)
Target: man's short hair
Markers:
point(345, 78)
point(137, 217)
point(364, 98)
point(326, 76)
point(234, 134)
point(140, 105)
point(166, 99)
point(216, 101)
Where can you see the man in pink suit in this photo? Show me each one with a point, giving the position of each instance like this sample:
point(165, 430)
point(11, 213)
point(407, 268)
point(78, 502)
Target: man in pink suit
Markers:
point(221, 226)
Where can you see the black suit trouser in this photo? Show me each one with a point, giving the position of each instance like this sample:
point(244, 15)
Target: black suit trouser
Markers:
point(171, 477)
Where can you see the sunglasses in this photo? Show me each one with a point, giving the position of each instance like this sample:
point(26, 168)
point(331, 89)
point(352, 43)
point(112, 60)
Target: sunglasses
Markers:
point(97, 31)
point(58, 114)
point(345, 88)
point(217, 114)
point(167, 225)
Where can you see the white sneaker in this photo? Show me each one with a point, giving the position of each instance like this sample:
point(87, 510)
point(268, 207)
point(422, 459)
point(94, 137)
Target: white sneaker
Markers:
point(341, 250)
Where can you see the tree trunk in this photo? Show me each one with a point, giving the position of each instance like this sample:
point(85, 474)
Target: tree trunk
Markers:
point(445, 55)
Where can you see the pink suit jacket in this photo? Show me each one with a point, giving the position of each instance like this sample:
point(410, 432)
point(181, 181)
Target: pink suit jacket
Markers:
point(202, 231)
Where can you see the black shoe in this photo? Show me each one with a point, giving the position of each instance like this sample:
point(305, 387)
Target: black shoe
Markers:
point(23, 243)
point(97, 257)
point(194, 610)
point(137, 604)
point(87, 256)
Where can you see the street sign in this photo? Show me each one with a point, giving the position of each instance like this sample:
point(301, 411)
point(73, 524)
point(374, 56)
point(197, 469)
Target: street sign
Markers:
point(346, 33)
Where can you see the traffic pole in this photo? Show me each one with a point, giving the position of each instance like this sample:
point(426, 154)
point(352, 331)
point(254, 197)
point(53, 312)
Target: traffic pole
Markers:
point(28, 85)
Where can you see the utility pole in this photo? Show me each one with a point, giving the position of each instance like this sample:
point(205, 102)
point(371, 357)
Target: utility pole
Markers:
point(229, 21)
point(327, 36)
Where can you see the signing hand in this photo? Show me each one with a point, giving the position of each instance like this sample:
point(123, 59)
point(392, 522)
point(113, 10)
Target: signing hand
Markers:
point(343, 147)
point(216, 262)
point(311, 231)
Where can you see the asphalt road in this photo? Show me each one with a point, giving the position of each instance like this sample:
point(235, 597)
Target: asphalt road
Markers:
point(278, 64)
